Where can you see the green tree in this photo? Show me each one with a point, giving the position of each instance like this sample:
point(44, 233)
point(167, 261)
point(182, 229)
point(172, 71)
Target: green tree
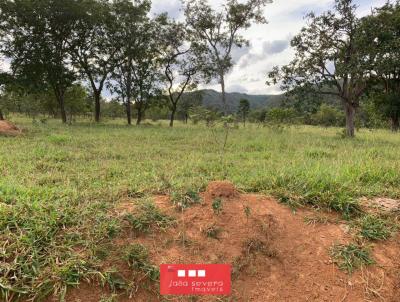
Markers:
point(243, 111)
point(134, 31)
point(95, 43)
point(181, 59)
point(328, 60)
point(380, 34)
point(328, 116)
point(189, 101)
point(36, 41)
point(75, 101)
point(218, 32)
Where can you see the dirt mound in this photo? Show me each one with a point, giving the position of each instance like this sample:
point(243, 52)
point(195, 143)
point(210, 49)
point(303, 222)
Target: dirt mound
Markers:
point(7, 128)
point(221, 189)
point(275, 254)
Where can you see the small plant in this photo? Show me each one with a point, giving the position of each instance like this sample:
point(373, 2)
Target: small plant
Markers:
point(186, 200)
point(148, 216)
point(350, 257)
point(137, 257)
point(374, 228)
point(213, 231)
point(217, 205)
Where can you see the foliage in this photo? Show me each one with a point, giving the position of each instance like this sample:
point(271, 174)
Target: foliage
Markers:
point(328, 116)
point(328, 39)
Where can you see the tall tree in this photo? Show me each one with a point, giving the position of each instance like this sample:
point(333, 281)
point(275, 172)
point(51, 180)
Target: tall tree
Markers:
point(244, 109)
point(37, 36)
point(380, 35)
point(182, 60)
point(328, 60)
point(133, 25)
point(219, 32)
point(94, 45)
point(146, 70)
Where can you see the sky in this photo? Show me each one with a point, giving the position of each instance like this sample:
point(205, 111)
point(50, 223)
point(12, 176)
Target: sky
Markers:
point(269, 43)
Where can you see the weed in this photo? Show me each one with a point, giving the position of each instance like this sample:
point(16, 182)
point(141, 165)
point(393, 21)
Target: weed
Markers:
point(373, 227)
point(149, 216)
point(185, 200)
point(137, 257)
point(350, 257)
point(217, 206)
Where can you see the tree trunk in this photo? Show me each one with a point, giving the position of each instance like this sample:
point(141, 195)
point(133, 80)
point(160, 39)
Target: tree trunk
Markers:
point(1, 116)
point(61, 102)
point(171, 121)
point(62, 109)
point(139, 116)
point(395, 123)
point(97, 106)
point(129, 111)
point(222, 82)
point(350, 119)
point(186, 118)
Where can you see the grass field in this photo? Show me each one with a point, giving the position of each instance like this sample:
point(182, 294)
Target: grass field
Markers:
point(58, 183)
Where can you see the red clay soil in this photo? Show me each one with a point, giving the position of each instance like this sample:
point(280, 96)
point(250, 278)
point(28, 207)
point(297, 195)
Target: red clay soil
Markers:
point(9, 129)
point(276, 256)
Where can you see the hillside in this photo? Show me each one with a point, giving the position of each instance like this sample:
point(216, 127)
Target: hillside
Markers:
point(213, 99)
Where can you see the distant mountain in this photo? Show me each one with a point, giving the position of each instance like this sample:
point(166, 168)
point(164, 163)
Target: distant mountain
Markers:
point(213, 99)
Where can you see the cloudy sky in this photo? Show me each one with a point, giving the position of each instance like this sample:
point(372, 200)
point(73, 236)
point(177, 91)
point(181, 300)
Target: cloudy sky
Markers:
point(269, 44)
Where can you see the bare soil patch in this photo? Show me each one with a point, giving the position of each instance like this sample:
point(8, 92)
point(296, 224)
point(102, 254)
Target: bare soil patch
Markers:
point(275, 255)
point(9, 129)
point(381, 204)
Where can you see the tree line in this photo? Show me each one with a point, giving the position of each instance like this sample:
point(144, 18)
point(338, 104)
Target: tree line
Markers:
point(58, 46)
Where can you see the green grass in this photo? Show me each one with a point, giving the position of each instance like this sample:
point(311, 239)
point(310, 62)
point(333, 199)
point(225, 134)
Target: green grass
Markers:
point(147, 217)
point(59, 183)
point(350, 257)
point(373, 227)
point(137, 257)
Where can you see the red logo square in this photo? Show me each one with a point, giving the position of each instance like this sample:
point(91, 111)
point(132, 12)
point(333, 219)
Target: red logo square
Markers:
point(195, 279)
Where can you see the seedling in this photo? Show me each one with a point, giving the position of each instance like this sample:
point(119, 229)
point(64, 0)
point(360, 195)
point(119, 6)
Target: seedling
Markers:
point(217, 206)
